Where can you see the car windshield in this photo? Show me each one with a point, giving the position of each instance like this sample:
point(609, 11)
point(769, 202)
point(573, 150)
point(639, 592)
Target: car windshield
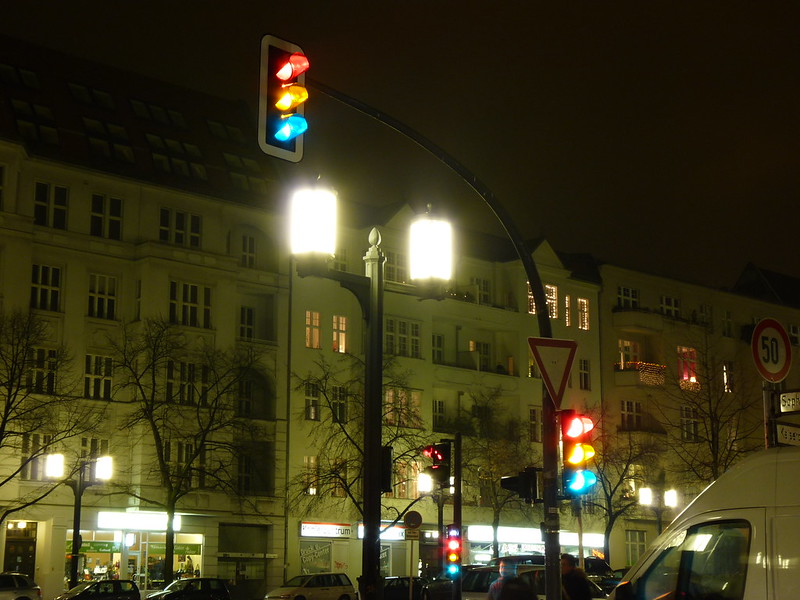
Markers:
point(79, 588)
point(298, 581)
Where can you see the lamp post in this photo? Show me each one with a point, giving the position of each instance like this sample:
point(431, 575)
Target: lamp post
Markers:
point(54, 468)
point(659, 499)
point(313, 232)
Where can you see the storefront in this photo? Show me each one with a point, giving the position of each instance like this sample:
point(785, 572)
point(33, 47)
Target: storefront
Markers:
point(525, 540)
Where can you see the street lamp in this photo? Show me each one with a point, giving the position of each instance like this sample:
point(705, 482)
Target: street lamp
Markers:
point(313, 235)
point(100, 469)
point(659, 499)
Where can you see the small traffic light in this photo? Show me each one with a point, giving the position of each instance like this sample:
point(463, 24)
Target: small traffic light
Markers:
point(282, 94)
point(452, 549)
point(440, 456)
point(523, 484)
point(576, 451)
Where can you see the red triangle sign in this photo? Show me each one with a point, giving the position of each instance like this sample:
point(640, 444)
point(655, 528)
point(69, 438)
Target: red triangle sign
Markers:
point(554, 359)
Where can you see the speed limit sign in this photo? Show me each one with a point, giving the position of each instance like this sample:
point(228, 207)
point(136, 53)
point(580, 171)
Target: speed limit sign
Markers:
point(772, 352)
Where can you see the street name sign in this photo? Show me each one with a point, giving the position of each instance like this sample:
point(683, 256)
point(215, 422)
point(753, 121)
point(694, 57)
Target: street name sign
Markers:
point(788, 434)
point(772, 352)
point(554, 359)
point(790, 402)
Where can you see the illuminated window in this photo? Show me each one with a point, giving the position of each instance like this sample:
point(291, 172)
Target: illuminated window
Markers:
point(628, 352)
point(339, 333)
point(484, 350)
point(567, 311)
point(312, 329)
point(311, 474)
point(727, 375)
point(551, 293)
point(687, 364)
point(583, 314)
point(627, 297)
point(405, 480)
point(402, 407)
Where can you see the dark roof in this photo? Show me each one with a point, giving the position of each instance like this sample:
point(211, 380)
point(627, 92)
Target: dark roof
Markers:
point(76, 111)
point(768, 286)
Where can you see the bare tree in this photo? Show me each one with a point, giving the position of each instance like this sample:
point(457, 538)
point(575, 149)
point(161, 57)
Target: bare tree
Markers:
point(498, 445)
point(184, 396)
point(334, 412)
point(713, 415)
point(40, 410)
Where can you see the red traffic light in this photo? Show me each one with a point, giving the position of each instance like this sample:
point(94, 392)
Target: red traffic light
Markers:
point(574, 426)
point(296, 64)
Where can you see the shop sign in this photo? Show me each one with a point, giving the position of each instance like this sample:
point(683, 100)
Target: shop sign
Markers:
point(96, 546)
point(161, 548)
point(334, 530)
point(387, 535)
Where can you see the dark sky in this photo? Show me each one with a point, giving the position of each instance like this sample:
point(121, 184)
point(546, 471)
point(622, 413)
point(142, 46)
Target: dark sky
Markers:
point(664, 136)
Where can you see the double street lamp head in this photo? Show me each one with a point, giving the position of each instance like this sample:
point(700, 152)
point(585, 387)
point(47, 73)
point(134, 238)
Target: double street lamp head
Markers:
point(54, 467)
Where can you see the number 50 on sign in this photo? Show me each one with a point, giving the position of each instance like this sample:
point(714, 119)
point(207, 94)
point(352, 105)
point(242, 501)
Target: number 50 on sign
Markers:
point(772, 352)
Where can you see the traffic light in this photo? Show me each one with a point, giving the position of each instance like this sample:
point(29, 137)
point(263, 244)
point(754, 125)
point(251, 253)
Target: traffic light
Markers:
point(577, 449)
point(523, 484)
point(282, 94)
point(452, 548)
point(440, 455)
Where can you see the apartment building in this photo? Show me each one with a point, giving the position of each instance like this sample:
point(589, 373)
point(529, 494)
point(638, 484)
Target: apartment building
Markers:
point(122, 202)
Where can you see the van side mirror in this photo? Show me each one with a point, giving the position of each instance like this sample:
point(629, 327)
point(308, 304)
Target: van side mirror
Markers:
point(624, 591)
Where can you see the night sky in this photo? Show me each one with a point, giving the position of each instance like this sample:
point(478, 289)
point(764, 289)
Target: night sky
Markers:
point(663, 136)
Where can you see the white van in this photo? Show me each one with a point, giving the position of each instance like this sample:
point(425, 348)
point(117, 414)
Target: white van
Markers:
point(738, 540)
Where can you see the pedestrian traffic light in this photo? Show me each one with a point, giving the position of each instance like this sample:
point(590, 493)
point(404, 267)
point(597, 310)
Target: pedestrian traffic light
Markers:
point(524, 484)
point(452, 549)
point(282, 94)
point(576, 449)
point(440, 455)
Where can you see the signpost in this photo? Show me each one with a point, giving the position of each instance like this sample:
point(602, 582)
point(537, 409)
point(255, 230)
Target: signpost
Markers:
point(772, 355)
point(412, 521)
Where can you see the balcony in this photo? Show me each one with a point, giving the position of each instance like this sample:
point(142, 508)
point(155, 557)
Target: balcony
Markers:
point(639, 373)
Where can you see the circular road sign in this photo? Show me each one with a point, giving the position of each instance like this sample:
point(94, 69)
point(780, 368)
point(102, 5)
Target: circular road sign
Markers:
point(412, 519)
point(772, 351)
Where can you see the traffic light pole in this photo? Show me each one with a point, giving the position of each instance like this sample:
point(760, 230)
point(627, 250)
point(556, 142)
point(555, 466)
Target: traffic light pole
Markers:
point(456, 466)
point(552, 521)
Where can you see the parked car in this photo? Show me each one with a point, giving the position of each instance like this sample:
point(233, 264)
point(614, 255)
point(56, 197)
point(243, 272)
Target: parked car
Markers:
point(18, 586)
point(396, 588)
point(194, 588)
point(440, 588)
point(600, 572)
point(106, 589)
point(475, 585)
point(316, 586)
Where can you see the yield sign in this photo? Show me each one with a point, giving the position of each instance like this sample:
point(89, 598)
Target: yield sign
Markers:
point(554, 359)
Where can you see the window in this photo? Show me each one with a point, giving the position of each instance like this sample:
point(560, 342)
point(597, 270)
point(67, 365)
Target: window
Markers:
point(627, 298)
point(405, 480)
point(551, 293)
point(628, 353)
point(312, 402)
point(727, 323)
point(631, 413)
point(396, 267)
point(45, 287)
point(35, 122)
point(635, 545)
point(567, 311)
point(181, 228)
point(708, 560)
point(402, 338)
point(339, 488)
point(534, 424)
point(189, 304)
point(245, 397)
point(90, 95)
point(533, 368)
point(670, 307)
point(106, 217)
point(483, 290)
point(727, 375)
point(102, 296)
point(255, 468)
point(484, 350)
point(248, 251)
point(34, 447)
point(97, 377)
point(583, 314)
point(438, 414)
point(108, 140)
point(339, 404)
point(311, 474)
point(225, 132)
point(187, 383)
point(690, 424)
point(181, 454)
point(247, 320)
point(402, 407)
point(687, 365)
point(437, 348)
point(339, 333)
point(41, 376)
point(706, 314)
point(584, 374)
point(312, 329)
point(50, 206)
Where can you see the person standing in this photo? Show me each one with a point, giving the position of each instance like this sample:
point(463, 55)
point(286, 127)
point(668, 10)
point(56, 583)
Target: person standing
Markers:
point(508, 569)
point(573, 580)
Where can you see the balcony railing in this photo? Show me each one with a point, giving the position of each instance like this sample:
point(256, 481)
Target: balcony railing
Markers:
point(644, 373)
